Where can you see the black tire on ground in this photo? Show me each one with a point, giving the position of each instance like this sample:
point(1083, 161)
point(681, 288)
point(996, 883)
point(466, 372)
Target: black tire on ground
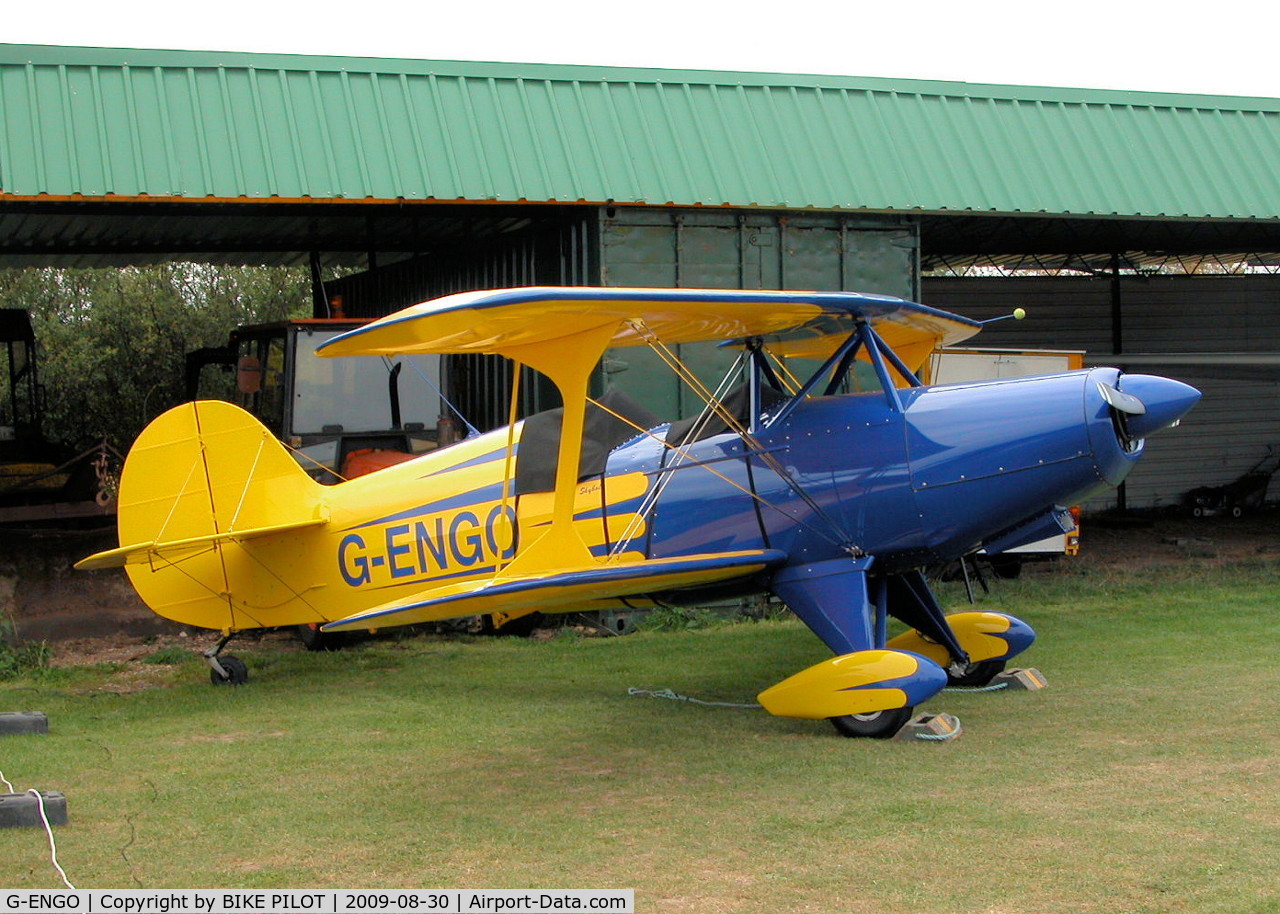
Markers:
point(237, 672)
point(519, 627)
point(1008, 567)
point(977, 674)
point(315, 640)
point(877, 725)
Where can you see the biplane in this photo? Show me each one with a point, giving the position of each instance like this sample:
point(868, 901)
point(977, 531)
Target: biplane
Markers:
point(820, 471)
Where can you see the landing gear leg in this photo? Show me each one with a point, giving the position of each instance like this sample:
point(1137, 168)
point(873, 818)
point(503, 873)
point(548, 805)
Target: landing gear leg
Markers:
point(228, 670)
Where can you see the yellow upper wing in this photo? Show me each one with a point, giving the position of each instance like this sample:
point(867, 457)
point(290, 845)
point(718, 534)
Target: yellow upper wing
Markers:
point(797, 323)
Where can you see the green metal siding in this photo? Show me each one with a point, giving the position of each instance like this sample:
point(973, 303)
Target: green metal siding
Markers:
point(716, 249)
point(195, 125)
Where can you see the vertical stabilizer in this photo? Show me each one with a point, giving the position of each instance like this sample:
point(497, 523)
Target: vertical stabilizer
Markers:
point(211, 505)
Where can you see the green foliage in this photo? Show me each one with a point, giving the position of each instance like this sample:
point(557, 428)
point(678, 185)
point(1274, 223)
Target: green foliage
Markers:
point(113, 342)
point(692, 618)
point(678, 619)
point(18, 658)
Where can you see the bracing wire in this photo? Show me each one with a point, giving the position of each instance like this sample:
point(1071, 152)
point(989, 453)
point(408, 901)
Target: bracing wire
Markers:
point(298, 453)
point(840, 538)
point(235, 516)
point(668, 471)
point(472, 431)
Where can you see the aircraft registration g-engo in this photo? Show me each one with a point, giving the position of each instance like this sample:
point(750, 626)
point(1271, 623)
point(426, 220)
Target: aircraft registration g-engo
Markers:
point(828, 488)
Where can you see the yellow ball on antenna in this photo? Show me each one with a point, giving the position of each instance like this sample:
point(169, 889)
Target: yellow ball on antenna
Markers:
point(1019, 313)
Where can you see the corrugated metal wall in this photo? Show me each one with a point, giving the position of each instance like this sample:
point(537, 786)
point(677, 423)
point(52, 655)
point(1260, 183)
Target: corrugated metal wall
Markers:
point(644, 247)
point(746, 250)
point(552, 251)
point(556, 252)
point(1239, 416)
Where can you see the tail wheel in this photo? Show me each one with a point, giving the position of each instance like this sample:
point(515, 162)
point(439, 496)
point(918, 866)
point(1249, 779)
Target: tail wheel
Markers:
point(876, 725)
point(236, 671)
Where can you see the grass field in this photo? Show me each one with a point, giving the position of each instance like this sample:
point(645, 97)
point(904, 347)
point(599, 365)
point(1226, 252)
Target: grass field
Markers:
point(1146, 778)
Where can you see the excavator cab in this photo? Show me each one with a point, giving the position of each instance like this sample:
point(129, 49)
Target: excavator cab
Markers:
point(341, 417)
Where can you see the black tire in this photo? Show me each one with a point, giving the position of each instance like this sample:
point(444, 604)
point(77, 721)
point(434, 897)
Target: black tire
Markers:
point(519, 627)
point(237, 672)
point(977, 674)
point(315, 640)
point(1008, 567)
point(877, 725)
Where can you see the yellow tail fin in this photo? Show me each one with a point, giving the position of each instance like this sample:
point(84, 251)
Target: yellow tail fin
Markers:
point(211, 508)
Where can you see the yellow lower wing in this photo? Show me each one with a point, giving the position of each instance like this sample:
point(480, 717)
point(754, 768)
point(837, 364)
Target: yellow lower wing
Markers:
point(565, 589)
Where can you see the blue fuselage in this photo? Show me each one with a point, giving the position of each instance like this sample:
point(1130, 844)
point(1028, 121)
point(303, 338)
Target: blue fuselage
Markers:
point(950, 470)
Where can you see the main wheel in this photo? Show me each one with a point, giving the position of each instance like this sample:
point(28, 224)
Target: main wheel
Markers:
point(237, 672)
point(1008, 567)
point(315, 640)
point(519, 627)
point(976, 674)
point(876, 725)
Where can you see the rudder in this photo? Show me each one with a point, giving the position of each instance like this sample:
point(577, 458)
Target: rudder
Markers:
point(204, 488)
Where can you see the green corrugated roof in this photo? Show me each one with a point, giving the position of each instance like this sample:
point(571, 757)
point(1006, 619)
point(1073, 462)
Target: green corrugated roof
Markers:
point(85, 122)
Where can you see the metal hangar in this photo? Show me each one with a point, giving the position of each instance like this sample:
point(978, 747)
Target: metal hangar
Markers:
point(1142, 227)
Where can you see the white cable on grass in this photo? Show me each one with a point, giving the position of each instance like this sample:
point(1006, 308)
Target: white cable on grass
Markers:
point(994, 687)
point(48, 830)
point(676, 696)
point(53, 848)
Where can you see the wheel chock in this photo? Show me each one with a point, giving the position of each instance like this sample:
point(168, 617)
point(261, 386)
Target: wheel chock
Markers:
point(933, 728)
point(22, 810)
point(1023, 680)
point(23, 722)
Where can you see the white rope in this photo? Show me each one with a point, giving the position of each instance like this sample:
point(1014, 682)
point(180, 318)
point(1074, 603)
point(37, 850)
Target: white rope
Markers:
point(53, 848)
point(676, 696)
point(48, 830)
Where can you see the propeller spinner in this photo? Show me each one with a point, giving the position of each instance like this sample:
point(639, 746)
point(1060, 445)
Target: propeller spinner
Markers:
point(1150, 403)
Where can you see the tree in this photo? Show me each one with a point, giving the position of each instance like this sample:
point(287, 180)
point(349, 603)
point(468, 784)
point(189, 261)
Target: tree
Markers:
point(113, 342)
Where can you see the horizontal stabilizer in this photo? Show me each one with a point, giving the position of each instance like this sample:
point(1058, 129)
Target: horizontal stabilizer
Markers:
point(172, 550)
point(563, 590)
